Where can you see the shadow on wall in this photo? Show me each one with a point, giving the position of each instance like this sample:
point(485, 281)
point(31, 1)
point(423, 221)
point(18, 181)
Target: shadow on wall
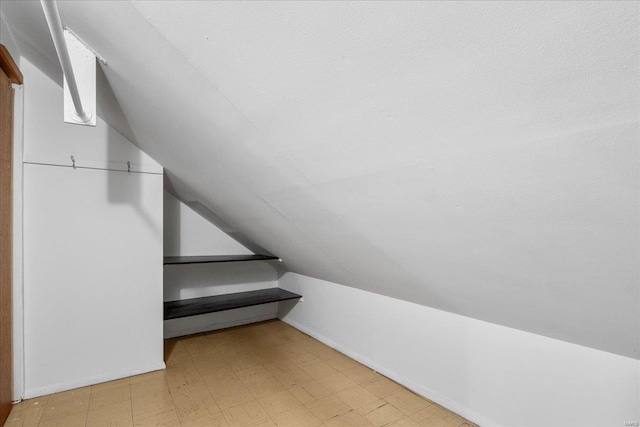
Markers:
point(285, 307)
point(127, 191)
point(210, 216)
point(171, 226)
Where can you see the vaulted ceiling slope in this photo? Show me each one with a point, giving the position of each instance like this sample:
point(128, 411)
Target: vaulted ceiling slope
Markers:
point(475, 157)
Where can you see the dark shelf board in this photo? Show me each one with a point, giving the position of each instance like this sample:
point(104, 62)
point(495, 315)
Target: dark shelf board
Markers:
point(215, 258)
point(195, 306)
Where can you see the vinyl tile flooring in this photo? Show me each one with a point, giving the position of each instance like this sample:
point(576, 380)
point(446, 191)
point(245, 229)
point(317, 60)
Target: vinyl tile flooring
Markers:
point(264, 374)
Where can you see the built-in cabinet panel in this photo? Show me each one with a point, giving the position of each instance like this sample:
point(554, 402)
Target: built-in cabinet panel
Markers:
point(93, 276)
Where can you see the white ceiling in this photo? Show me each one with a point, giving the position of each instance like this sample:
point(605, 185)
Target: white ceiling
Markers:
point(477, 157)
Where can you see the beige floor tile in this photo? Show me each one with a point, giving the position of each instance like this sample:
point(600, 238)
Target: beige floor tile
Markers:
point(284, 365)
point(357, 397)
point(151, 405)
point(309, 391)
point(192, 399)
point(153, 384)
point(361, 374)
point(116, 414)
point(36, 402)
point(229, 397)
point(328, 407)
point(231, 350)
point(337, 382)
point(245, 415)
point(292, 349)
point(186, 375)
point(407, 402)
point(280, 402)
point(112, 423)
point(69, 407)
point(265, 423)
point(262, 384)
point(451, 420)
point(25, 416)
point(210, 419)
point(110, 384)
point(175, 352)
point(318, 369)
point(220, 379)
point(78, 394)
point(104, 395)
point(380, 413)
point(342, 363)
point(247, 365)
point(289, 375)
point(155, 376)
point(138, 393)
point(180, 363)
point(303, 359)
point(200, 344)
point(298, 417)
point(74, 420)
point(271, 354)
point(350, 419)
point(325, 353)
point(205, 363)
point(234, 398)
point(382, 387)
point(405, 422)
point(165, 419)
point(436, 415)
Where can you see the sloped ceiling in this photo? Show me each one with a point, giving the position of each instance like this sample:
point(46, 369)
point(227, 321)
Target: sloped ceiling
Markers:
point(476, 157)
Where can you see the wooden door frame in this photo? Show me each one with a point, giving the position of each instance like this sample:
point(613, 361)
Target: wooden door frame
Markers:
point(9, 66)
point(13, 76)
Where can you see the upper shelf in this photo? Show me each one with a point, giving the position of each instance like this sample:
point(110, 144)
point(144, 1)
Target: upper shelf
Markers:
point(215, 258)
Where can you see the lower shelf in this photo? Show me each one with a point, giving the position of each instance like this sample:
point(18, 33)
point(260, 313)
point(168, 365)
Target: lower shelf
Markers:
point(195, 306)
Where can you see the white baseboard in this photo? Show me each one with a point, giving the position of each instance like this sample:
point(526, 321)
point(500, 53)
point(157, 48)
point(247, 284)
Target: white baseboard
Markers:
point(42, 391)
point(451, 405)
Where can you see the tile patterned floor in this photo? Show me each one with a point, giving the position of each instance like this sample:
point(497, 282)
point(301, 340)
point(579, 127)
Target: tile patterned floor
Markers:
point(264, 374)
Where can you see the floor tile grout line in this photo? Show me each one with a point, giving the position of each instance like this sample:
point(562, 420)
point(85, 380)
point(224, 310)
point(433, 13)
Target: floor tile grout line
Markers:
point(86, 418)
point(133, 423)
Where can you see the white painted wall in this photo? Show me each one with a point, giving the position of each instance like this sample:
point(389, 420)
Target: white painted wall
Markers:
point(490, 374)
point(92, 248)
point(182, 281)
point(187, 233)
point(475, 157)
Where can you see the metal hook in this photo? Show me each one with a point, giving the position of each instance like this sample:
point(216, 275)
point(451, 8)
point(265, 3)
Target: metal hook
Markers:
point(73, 162)
point(128, 166)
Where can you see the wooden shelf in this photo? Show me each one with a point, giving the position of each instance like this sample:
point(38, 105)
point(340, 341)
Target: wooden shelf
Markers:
point(195, 306)
point(215, 258)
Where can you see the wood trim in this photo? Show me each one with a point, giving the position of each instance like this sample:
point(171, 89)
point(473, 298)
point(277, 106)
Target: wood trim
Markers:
point(6, 235)
point(9, 66)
